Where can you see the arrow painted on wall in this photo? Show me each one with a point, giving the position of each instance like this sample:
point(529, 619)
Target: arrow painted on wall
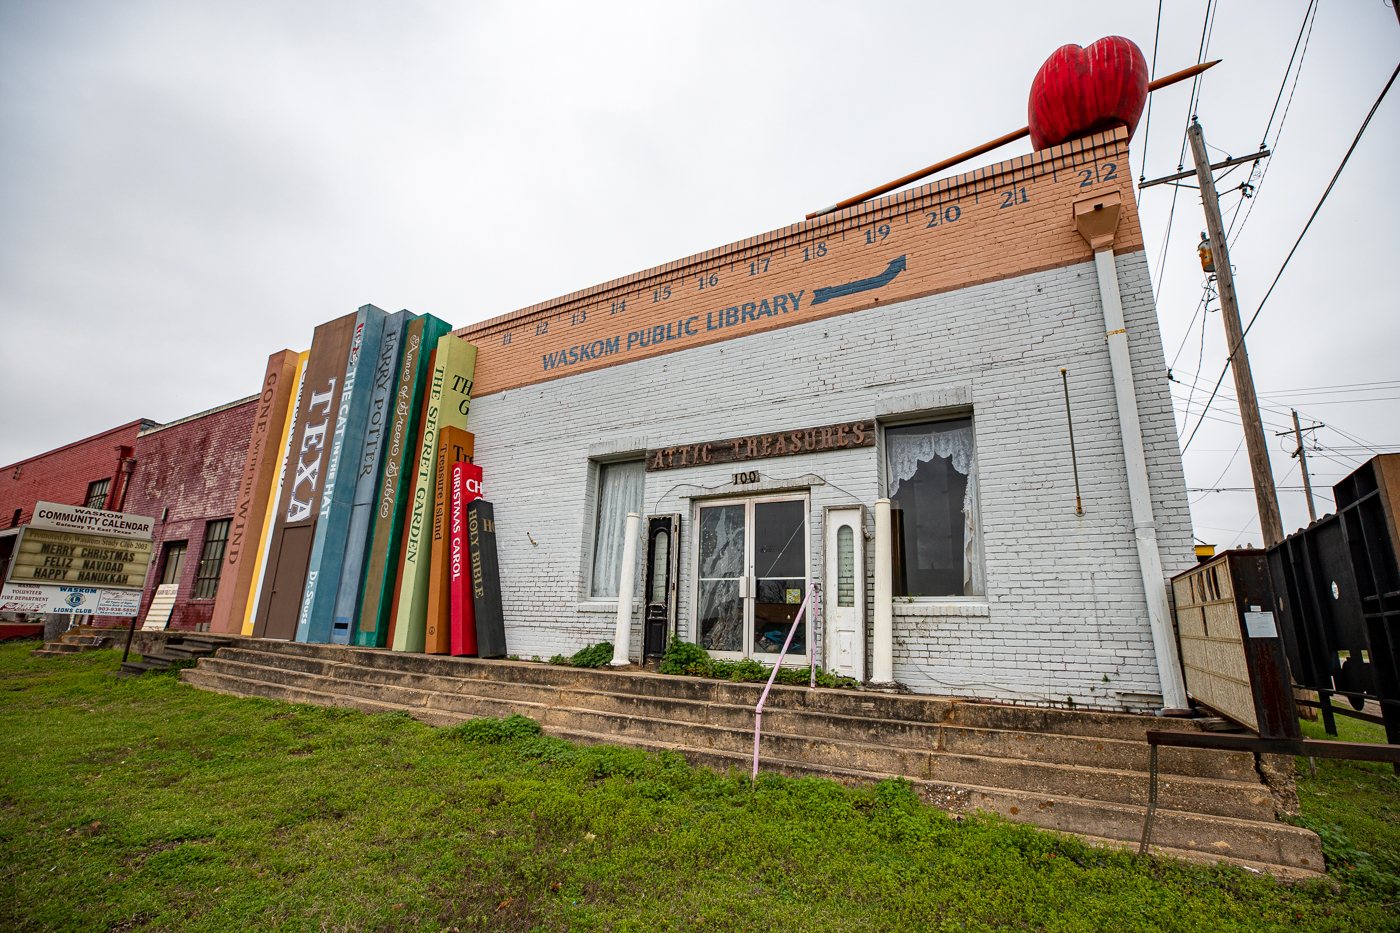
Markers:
point(861, 285)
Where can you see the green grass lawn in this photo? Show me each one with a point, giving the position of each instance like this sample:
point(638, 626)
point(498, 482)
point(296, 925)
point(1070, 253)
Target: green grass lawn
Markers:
point(145, 804)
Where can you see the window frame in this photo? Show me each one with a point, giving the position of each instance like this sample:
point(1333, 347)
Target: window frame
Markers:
point(905, 419)
point(166, 548)
point(200, 576)
point(105, 485)
point(594, 510)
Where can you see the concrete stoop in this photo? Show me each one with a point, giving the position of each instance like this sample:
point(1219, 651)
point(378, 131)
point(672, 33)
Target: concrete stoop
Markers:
point(1077, 772)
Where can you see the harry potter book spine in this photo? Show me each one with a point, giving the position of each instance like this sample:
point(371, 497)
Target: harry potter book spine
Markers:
point(386, 365)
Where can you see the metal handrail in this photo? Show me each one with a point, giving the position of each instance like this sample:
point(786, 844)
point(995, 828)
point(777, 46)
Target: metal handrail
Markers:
point(809, 604)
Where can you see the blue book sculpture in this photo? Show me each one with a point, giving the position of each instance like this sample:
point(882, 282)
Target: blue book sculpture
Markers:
point(338, 490)
point(381, 410)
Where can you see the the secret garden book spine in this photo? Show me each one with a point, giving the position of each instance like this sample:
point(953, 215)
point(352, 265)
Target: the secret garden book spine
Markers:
point(338, 488)
point(367, 476)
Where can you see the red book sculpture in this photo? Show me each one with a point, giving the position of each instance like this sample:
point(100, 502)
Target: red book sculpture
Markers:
point(466, 486)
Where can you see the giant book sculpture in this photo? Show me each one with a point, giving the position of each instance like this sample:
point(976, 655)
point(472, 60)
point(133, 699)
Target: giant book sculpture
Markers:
point(284, 580)
point(396, 481)
point(385, 375)
point(466, 489)
point(260, 469)
point(449, 397)
point(454, 447)
point(410, 487)
point(250, 603)
point(486, 580)
point(338, 485)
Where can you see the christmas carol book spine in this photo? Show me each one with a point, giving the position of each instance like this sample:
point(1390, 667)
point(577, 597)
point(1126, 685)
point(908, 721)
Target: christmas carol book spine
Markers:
point(454, 446)
point(466, 488)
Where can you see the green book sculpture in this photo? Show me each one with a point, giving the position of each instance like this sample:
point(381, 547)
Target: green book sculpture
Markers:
point(396, 482)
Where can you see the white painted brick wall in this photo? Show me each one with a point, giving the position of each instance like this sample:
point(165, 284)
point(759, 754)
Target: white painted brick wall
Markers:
point(1065, 606)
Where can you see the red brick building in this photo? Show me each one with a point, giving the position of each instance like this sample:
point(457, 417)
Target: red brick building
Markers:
point(186, 477)
point(86, 472)
point(183, 474)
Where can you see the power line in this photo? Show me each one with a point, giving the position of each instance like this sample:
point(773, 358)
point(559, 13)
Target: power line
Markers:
point(1289, 257)
point(1147, 124)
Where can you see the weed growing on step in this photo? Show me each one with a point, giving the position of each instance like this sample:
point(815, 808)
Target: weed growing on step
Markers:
point(590, 656)
point(146, 804)
point(688, 659)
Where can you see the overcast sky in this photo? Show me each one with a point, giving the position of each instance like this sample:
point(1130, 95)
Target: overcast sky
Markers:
point(186, 188)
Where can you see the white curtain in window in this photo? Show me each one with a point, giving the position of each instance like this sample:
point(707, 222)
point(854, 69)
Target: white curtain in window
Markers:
point(620, 489)
point(906, 451)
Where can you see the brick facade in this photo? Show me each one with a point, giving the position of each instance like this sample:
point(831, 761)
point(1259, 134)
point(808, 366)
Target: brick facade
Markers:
point(191, 468)
point(62, 475)
point(979, 318)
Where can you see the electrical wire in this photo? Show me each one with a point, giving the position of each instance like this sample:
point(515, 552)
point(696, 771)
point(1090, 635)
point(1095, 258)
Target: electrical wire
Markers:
point(1147, 123)
point(1330, 185)
point(1264, 172)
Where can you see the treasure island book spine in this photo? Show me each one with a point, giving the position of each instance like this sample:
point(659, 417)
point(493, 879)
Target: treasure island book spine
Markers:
point(381, 399)
point(338, 488)
point(260, 467)
point(454, 446)
point(250, 606)
point(395, 484)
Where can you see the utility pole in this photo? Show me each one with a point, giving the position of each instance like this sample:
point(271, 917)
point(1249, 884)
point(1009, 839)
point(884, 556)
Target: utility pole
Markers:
point(1303, 463)
point(1265, 496)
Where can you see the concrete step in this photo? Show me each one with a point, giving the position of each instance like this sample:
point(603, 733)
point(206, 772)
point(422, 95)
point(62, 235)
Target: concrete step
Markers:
point(1257, 841)
point(1226, 798)
point(188, 651)
point(1115, 754)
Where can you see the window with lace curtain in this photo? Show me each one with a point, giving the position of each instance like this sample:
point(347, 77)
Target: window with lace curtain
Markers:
point(620, 488)
point(931, 470)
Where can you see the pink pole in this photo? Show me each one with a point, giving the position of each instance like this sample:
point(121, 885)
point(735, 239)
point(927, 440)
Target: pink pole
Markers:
point(808, 600)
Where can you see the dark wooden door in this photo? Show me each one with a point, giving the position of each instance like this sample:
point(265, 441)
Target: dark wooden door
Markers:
point(289, 583)
point(659, 613)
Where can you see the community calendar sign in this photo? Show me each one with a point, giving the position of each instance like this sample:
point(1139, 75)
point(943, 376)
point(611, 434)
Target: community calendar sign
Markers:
point(45, 556)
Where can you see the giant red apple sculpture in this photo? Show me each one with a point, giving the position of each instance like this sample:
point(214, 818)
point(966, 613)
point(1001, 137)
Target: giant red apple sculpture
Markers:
point(1079, 92)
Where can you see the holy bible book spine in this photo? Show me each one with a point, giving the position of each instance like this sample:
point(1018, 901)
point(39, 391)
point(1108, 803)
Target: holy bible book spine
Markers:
point(466, 489)
point(293, 531)
point(367, 475)
point(338, 487)
point(454, 446)
point(452, 377)
point(486, 580)
point(260, 468)
point(250, 607)
point(396, 482)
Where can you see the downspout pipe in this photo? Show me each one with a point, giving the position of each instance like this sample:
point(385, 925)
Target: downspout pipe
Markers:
point(1096, 219)
point(622, 638)
point(882, 660)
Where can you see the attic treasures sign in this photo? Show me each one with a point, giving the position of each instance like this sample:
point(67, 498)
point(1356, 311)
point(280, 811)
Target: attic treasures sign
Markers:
point(47, 556)
point(845, 436)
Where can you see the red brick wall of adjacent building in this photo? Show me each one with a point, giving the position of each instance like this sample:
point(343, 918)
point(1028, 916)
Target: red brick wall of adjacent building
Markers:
point(62, 475)
point(191, 468)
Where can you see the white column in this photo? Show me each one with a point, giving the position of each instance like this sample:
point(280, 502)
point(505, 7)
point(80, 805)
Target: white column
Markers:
point(882, 664)
point(622, 639)
point(1139, 492)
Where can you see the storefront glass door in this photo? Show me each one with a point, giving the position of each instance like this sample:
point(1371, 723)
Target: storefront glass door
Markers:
point(751, 577)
